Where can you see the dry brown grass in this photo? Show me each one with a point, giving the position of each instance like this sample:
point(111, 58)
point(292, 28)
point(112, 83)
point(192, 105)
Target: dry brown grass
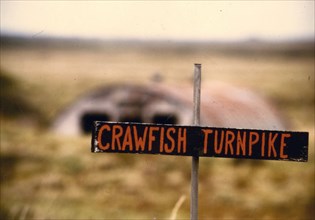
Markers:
point(44, 176)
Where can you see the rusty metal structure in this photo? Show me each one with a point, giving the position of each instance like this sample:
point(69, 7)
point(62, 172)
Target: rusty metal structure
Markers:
point(222, 105)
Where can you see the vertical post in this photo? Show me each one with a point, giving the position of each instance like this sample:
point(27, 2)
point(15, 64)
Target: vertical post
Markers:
point(195, 159)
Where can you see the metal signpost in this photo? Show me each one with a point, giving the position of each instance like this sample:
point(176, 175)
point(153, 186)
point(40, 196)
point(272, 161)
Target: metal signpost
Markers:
point(198, 141)
point(195, 159)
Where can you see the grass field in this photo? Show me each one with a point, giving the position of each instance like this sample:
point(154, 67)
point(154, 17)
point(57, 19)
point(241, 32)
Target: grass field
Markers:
point(45, 176)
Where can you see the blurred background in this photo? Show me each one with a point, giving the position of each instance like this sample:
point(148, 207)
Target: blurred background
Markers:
point(53, 52)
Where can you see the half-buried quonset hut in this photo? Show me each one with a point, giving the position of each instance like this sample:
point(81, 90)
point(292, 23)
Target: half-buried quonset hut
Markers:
point(222, 105)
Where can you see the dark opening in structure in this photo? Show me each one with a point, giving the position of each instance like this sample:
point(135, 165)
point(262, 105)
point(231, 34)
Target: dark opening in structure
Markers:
point(88, 118)
point(165, 119)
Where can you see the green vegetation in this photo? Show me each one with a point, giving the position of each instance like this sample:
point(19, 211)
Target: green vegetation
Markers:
point(12, 96)
point(45, 176)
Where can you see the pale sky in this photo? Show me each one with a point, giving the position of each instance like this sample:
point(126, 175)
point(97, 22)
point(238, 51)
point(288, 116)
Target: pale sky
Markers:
point(175, 20)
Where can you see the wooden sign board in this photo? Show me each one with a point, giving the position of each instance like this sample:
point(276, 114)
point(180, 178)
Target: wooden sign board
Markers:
point(112, 137)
